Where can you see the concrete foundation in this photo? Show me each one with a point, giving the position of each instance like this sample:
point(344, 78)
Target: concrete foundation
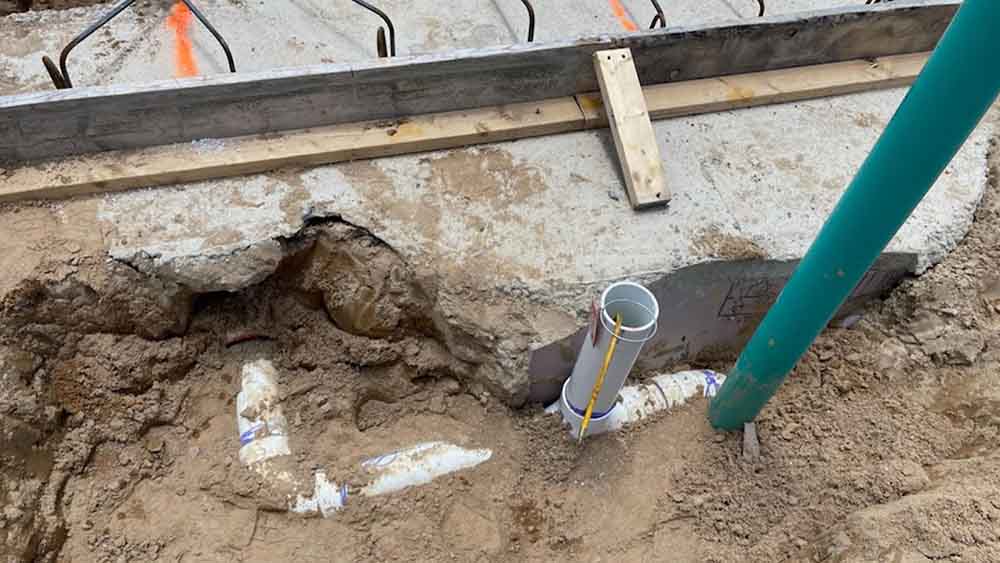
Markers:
point(513, 239)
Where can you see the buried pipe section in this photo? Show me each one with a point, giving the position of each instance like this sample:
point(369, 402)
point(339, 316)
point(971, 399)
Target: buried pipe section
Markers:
point(639, 311)
point(259, 418)
point(418, 465)
point(263, 433)
point(955, 89)
point(661, 392)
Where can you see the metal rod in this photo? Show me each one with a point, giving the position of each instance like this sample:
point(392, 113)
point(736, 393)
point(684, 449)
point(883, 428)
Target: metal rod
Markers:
point(60, 77)
point(67, 82)
point(385, 18)
point(659, 16)
point(957, 86)
point(531, 20)
point(218, 36)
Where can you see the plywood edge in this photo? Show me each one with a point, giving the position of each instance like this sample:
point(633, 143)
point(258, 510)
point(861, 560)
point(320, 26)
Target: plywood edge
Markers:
point(204, 160)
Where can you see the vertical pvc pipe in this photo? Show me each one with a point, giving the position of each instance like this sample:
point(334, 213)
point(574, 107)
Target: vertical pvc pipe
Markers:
point(955, 89)
point(639, 310)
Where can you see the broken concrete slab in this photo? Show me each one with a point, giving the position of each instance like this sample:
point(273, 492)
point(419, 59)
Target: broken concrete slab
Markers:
point(518, 237)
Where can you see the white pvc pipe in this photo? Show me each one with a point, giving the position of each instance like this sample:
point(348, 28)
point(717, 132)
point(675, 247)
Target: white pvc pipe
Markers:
point(327, 497)
point(263, 434)
point(418, 465)
point(663, 392)
point(637, 402)
point(262, 426)
point(639, 311)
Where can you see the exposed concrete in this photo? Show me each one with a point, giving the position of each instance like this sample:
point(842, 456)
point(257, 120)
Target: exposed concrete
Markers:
point(52, 124)
point(11, 6)
point(517, 237)
point(137, 46)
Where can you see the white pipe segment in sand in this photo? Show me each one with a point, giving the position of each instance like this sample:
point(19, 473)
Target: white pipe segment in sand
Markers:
point(261, 423)
point(418, 465)
point(263, 434)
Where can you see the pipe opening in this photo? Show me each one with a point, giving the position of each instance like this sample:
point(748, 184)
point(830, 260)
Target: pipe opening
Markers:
point(636, 305)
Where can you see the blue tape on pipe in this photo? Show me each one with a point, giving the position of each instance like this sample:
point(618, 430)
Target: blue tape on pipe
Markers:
point(711, 383)
point(250, 434)
point(593, 416)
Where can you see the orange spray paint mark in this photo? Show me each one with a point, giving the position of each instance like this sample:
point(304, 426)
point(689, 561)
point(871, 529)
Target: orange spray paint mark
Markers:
point(619, 12)
point(179, 20)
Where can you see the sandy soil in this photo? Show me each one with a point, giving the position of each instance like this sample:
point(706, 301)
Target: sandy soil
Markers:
point(119, 438)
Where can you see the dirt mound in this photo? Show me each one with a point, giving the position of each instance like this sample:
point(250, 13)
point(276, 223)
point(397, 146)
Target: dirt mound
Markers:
point(955, 518)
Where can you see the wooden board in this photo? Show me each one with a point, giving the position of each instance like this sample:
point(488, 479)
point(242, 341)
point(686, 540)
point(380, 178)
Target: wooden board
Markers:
point(54, 124)
point(109, 172)
point(188, 162)
point(625, 105)
point(664, 101)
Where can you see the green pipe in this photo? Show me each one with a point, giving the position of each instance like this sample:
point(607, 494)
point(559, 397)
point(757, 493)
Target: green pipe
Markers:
point(957, 86)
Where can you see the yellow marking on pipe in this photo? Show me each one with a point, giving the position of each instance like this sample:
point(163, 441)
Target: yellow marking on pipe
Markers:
point(600, 377)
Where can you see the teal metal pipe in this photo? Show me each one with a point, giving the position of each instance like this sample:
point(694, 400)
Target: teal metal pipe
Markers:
point(957, 86)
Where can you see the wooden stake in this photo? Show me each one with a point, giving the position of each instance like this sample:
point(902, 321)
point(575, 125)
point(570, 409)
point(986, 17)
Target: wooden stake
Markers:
point(635, 142)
